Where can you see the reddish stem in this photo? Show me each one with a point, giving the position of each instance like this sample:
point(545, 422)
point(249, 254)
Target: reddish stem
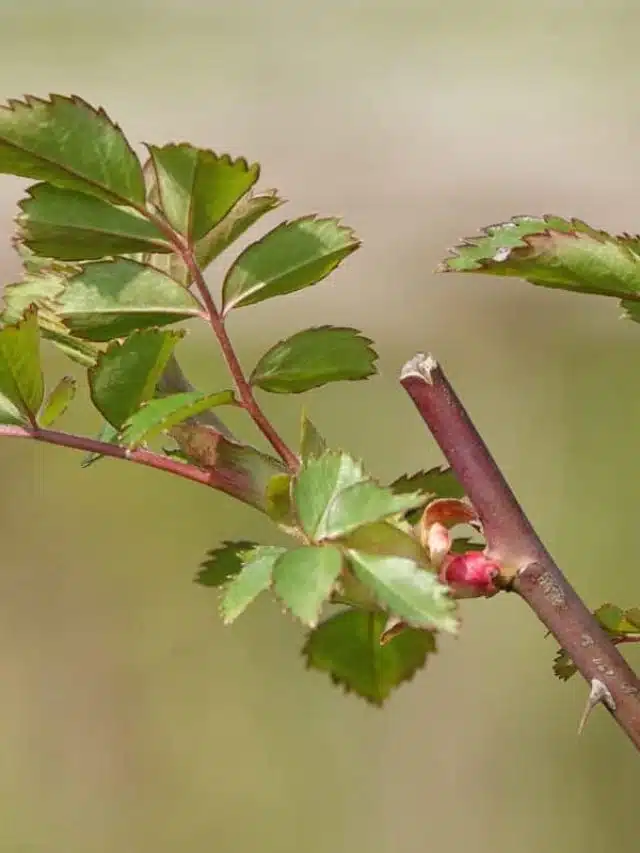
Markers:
point(140, 457)
point(245, 392)
point(514, 545)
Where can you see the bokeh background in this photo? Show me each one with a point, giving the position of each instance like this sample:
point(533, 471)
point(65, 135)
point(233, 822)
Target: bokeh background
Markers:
point(130, 719)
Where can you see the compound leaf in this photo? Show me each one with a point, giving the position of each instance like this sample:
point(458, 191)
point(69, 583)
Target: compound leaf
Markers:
point(58, 401)
point(254, 577)
point(158, 415)
point(312, 358)
point(21, 381)
point(406, 589)
point(72, 145)
point(303, 579)
point(126, 374)
point(294, 255)
point(347, 646)
point(110, 299)
point(197, 188)
point(71, 226)
point(223, 563)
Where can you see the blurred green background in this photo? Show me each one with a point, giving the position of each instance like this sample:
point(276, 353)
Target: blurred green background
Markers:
point(130, 720)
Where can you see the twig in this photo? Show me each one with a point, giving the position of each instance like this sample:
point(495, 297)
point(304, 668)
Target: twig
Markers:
point(210, 478)
point(514, 545)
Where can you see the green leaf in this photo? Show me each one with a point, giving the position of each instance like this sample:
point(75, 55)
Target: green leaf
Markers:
point(126, 374)
point(21, 382)
point(254, 578)
point(553, 252)
point(314, 357)
point(617, 623)
point(312, 444)
point(72, 145)
point(278, 498)
point(109, 299)
point(156, 416)
point(333, 497)
point(362, 503)
point(42, 288)
point(248, 471)
point(58, 401)
point(388, 539)
point(347, 647)
point(223, 563)
point(294, 255)
point(70, 226)
point(563, 666)
point(434, 483)
point(304, 578)
point(614, 620)
point(197, 188)
point(240, 218)
point(406, 589)
point(109, 435)
point(318, 482)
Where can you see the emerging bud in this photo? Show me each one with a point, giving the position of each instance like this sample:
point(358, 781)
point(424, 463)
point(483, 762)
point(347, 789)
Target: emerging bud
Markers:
point(436, 540)
point(470, 575)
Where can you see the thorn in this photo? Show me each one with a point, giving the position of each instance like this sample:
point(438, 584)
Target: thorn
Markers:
point(599, 693)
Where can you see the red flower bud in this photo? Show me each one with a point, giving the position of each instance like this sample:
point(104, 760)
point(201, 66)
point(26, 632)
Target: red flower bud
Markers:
point(470, 575)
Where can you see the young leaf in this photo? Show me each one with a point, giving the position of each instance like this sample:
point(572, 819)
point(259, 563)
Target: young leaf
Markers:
point(406, 589)
point(318, 482)
point(254, 578)
point(563, 666)
point(347, 646)
point(110, 299)
point(72, 145)
point(312, 444)
point(278, 500)
point(304, 578)
point(247, 470)
point(388, 539)
point(197, 188)
point(42, 288)
point(71, 226)
point(361, 503)
point(294, 255)
point(620, 625)
point(223, 563)
point(434, 483)
point(314, 357)
point(126, 374)
point(58, 401)
point(21, 382)
point(109, 435)
point(240, 218)
point(614, 620)
point(553, 252)
point(159, 415)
